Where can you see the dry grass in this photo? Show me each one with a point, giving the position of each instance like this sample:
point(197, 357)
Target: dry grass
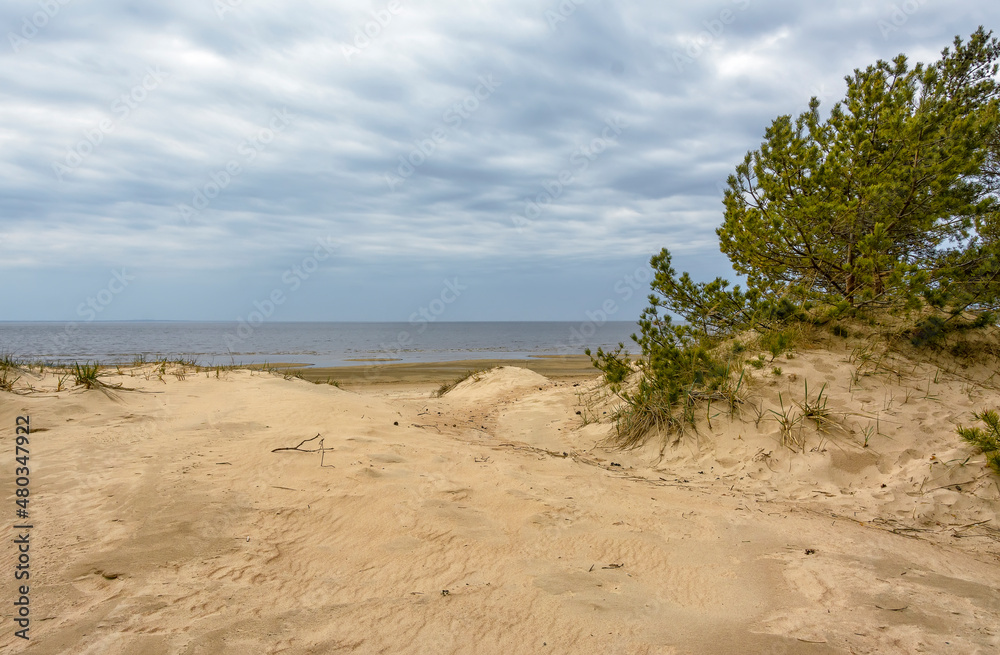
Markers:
point(645, 412)
point(8, 379)
point(475, 374)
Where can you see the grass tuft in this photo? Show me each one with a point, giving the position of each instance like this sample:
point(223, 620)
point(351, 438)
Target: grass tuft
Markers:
point(778, 341)
point(815, 409)
point(85, 375)
point(89, 377)
point(8, 361)
point(787, 422)
point(647, 410)
point(8, 379)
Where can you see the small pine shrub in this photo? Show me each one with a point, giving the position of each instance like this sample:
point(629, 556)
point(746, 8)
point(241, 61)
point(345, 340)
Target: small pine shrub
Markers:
point(614, 364)
point(777, 342)
point(988, 440)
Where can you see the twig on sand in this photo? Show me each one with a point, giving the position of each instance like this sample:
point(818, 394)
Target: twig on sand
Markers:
point(953, 484)
point(321, 450)
point(421, 425)
point(971, 525)
point(303, 450)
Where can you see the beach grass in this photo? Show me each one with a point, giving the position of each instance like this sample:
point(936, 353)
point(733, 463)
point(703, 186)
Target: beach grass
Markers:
point(86, 375)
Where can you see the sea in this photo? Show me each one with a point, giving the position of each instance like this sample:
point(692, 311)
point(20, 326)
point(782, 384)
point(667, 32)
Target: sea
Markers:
point(316, 344)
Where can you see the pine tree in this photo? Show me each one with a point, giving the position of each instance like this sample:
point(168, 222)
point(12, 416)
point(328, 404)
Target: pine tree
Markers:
point(887, 200)
point(888, 203)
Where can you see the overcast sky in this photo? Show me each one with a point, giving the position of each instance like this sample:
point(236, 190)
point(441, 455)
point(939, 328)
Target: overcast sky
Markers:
point(356, 160)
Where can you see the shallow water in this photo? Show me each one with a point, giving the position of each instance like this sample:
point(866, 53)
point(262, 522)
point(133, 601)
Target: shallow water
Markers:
point(321, 344)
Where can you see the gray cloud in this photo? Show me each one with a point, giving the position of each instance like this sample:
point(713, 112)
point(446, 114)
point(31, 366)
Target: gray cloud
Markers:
point(116, 115)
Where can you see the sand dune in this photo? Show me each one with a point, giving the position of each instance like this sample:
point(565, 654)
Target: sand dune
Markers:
point(491, 520)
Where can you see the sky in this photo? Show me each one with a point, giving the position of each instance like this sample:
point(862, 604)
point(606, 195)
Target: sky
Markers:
point(359, 161)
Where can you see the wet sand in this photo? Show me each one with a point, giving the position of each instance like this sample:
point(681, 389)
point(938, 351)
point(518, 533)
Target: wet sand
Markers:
point(556, 367)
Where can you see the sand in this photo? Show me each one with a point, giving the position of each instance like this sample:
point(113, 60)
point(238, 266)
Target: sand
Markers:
point(492, 520)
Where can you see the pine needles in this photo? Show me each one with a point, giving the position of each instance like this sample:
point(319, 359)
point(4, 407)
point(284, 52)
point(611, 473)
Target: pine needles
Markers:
point(987, 441)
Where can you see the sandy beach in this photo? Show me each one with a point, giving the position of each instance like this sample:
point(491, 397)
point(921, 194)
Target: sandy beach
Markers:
point(240, 511)
point(500, 328)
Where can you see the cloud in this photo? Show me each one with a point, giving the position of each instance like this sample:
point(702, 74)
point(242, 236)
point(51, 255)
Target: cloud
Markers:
point(412, 132)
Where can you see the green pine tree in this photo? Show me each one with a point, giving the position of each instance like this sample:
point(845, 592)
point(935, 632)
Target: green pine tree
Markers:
point(889, 203)
point(888, 199)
